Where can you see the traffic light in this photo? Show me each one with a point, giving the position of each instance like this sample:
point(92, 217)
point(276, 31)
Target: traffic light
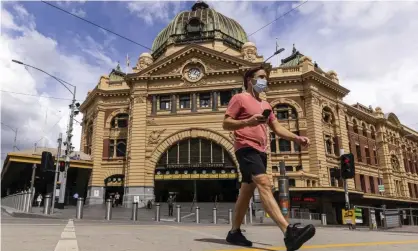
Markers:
point(47, 162)
point(62, 166)
point(347, 166)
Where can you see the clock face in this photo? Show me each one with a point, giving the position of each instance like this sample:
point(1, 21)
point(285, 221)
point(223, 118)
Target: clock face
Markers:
point(194, 73)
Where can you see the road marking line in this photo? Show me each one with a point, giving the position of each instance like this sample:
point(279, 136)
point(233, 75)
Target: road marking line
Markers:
point(68, 240)
point(335, 245)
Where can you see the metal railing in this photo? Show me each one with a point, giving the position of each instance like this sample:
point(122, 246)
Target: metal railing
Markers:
point(21, 201)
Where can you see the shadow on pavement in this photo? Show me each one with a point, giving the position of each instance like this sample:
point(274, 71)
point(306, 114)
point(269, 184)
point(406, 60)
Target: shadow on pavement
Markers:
point(224, 242)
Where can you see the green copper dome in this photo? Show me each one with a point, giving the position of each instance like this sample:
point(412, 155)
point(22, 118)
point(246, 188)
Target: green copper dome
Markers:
point(198, 25)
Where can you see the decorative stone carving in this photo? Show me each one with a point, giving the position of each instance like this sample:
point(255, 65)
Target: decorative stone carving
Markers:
point(151, 122)
point(154, 137)
point(249, 51)
point(145, 60)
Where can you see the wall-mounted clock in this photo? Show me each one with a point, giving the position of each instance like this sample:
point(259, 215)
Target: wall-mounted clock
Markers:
point(194, 73)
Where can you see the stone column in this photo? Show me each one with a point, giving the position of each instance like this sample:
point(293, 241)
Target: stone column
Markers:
point(173, 103)
point(95, 194)
point(342, 138)
point(214, 101)
point(137, 177)
point(154, 105)
point(317, 159)
point(194, 102)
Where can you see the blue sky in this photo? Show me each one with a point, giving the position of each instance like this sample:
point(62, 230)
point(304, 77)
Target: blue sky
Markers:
point(372, 46)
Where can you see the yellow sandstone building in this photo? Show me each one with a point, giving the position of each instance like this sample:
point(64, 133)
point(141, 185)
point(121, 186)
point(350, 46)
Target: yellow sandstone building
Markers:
point(158, 130)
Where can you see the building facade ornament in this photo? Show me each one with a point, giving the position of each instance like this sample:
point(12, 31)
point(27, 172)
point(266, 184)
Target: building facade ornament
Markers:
point(155, 136)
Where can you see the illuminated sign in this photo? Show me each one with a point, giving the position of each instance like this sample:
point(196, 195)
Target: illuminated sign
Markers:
point(195, 165)
point(303, 199)
point(195, 176)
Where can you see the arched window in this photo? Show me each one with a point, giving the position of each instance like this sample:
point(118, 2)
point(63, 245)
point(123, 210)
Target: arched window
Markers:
point(328, 145)
point(364, 129)
point(395, 163)
point(120, 121)
point(355, 126)
point(194, 27)
point(327, 115)
point(195, 151)
point(372, 132)
point(284, 145)
point(285, 112)
point(117, 148)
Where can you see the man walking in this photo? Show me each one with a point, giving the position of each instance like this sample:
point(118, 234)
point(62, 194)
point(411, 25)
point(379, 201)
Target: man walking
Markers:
point(244, 117)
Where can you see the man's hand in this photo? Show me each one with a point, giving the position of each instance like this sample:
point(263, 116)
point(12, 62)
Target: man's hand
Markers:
point(255, 120)
point(304, 141)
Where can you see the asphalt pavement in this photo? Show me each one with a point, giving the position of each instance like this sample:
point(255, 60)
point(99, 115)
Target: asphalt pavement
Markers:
point(28, 234)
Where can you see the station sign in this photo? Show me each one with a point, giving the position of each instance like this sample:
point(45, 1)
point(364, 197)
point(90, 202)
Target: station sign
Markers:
point(195, 165)
point(206, 176)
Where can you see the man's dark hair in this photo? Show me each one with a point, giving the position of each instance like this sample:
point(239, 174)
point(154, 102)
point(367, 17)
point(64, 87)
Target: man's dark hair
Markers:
point(250, 74)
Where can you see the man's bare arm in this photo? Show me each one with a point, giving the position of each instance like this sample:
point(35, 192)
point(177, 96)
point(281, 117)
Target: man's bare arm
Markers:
point(281, 131)
point(231, 124)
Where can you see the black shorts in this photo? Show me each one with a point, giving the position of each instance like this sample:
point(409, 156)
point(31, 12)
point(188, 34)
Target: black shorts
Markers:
point(251, 163)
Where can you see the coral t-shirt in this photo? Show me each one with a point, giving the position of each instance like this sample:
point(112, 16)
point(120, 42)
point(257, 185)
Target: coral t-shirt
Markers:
point(243, 106)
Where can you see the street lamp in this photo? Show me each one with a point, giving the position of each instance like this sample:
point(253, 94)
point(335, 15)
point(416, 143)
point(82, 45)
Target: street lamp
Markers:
point(15, 131)
point(68, 143)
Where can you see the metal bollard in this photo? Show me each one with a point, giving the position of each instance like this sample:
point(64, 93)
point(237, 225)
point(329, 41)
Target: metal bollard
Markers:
point(197, 215)
point(230, 216)
point(178, 213)
point(245, 219)
point(157, 212)
point(21, 198)
point(14, 201)
point(26, 201)
point(411, 218)
point(79, 209)
point(134, 211)
point(214, 215)
point(29, 202)
point(251, 214)
point(47, 204)
point(324, 219)
point(108, 209)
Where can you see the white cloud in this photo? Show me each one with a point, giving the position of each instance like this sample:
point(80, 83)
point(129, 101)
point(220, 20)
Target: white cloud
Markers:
point(78, 12)
point(28, 113)
point(155, 11)
point(372, 46)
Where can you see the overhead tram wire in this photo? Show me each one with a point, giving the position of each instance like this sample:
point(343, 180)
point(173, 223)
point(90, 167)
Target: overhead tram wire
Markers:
point(34, 95)
point(132, 41)
point(101, 27)
point(283, 15)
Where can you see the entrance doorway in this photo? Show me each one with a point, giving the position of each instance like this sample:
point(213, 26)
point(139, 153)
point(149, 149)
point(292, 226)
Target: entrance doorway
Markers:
point(114, 189)
point(196, 169)
point(197, 190)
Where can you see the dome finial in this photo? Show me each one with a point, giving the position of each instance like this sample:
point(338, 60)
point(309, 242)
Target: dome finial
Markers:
point(294, 49)
point(200, 5)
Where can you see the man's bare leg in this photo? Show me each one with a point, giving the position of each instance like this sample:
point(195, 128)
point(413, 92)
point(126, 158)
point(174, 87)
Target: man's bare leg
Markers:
point(270, 205)
point(242, 204)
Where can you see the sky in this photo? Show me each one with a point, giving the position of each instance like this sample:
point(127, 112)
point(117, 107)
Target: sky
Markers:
point(373, 47)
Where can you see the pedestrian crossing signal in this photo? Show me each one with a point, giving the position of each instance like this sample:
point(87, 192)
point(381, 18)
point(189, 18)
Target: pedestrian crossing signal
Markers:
point(47, 162)
point(62, 166)
point(347, 166)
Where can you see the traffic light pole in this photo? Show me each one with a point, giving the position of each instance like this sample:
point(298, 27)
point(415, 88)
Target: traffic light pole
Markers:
point(56, 172)
point(67, 154)
point(347, 199)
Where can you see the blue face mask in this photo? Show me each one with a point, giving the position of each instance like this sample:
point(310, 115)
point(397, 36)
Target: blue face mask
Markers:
point(260, 85)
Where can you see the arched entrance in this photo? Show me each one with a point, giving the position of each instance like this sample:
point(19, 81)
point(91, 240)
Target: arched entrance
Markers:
point(196, 169)
point(114, 187)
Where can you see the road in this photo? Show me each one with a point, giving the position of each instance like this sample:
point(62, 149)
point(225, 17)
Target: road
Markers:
point(20, 234)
